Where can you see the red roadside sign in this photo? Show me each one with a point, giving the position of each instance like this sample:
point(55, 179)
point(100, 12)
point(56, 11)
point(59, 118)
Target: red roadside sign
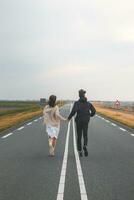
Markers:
point(117, 104)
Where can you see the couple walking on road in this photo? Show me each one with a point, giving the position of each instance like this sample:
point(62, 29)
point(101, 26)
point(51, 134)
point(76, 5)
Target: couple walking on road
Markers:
point(83, 110)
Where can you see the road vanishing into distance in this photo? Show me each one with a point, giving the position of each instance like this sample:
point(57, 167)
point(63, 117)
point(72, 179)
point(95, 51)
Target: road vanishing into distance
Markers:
point(27, 172)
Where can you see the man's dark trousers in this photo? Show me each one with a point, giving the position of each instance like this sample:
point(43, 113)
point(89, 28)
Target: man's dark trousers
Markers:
point(82, 129)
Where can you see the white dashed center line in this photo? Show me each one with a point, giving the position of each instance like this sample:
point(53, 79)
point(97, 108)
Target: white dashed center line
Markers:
point(132, 134)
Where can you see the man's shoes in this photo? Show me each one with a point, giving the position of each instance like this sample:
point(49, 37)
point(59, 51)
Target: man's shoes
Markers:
point(80, 153)
point(85, 151)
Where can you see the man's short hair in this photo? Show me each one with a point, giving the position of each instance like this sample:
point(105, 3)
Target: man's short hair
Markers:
point(82, 93)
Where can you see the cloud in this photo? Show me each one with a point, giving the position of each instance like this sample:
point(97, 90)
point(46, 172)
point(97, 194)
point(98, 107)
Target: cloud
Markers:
point(63, 71)
point(62, 46)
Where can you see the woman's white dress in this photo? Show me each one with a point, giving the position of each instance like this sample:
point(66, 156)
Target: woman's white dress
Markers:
point(52, 131)
point(52, 120)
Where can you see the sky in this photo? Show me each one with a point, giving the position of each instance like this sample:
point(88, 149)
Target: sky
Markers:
point(58, 47)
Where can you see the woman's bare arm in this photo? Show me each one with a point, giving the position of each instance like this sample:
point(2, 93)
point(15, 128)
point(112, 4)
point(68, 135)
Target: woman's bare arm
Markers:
point(59, 115)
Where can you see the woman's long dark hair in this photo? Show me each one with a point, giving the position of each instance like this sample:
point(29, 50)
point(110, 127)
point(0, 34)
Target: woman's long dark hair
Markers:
point(52, 101)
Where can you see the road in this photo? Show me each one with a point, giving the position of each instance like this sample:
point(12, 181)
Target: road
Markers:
point(28, 173)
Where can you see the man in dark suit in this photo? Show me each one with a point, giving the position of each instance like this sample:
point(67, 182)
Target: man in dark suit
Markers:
point(83, 110)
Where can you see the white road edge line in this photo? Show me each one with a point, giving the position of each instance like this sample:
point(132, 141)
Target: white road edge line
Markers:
point(132, 134)
point(20, 128)
point(35, 120)
point(5, 136)
point(29, 123)
point(60, 195)
point(107, 121)
point(122, 129)
point(113, 124)
point(83, 192)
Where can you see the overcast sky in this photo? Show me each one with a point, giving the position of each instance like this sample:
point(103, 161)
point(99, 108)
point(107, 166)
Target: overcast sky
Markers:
point(58, 47)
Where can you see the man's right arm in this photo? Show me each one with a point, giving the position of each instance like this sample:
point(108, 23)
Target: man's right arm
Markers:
point(74, 110)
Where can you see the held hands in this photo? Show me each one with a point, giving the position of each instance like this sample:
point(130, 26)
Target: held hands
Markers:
point(67, 120)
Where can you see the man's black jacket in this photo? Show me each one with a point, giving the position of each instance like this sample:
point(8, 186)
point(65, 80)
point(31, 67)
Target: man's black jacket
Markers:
point(84, 110)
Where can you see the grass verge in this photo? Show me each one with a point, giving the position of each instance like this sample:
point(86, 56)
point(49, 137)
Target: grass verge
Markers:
point(12, 120)
point(13, 113)
point(122, 117)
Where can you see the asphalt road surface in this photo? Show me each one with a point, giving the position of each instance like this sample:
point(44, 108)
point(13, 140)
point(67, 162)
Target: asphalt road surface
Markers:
point(27, 172)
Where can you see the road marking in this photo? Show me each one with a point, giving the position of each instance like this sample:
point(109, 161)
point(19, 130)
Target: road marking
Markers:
point(5, 136)
point(20, 128)
point(29, 123)
point(99, 117)
point(113, 124)
point(83, 192)
point(107, 121)
point(122, 129)
point(60, 195)
point(132, 134)
point(35, 120)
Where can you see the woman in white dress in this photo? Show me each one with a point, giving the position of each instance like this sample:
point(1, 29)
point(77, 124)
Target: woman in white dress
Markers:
point(52, 120)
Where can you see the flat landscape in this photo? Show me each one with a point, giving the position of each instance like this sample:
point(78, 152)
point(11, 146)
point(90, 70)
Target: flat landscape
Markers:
point(15, 112)
point(124, 114)
point(28, 172)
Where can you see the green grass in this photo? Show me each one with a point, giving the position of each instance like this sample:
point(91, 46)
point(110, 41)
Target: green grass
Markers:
point(14, 112)
point(15, 107)
point(17, 103)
